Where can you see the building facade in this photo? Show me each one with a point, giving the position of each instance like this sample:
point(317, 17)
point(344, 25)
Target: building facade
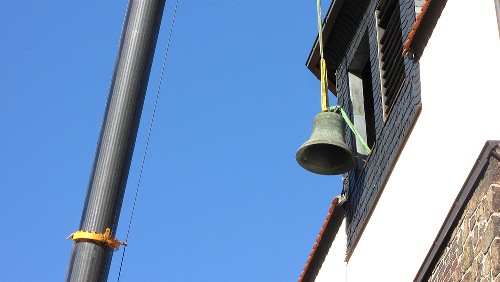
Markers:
point(418, 80)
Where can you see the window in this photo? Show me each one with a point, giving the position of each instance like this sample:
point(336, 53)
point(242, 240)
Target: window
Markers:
point(361, 94)
point(390, 49)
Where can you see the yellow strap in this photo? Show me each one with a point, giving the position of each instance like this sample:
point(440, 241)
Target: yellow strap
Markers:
point(105, 238)
point(324, 87)
point(324, 75)
point(320, 28)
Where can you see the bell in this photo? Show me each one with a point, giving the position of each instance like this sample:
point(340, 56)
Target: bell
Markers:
point(326, 151)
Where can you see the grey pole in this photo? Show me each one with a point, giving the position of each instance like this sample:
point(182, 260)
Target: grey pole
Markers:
point(90, 261)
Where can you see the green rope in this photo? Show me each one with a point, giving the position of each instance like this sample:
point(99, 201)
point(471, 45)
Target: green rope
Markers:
point(351, 126)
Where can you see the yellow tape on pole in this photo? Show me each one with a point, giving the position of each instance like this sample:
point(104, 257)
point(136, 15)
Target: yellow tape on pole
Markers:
point(105, 238)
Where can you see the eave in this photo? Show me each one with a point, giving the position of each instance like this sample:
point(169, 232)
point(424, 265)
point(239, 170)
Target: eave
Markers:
point(313, 59)
point(339, 27)
point(324, 240)
point(490, 149)
point(423, 27)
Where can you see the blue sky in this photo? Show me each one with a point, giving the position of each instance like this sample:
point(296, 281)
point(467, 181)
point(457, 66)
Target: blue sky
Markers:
point(222, 197)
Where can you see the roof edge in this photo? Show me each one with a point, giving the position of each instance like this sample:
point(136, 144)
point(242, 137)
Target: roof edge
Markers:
point(312, 62)
point(326, 236)
point(489, 149)
point(423, 27)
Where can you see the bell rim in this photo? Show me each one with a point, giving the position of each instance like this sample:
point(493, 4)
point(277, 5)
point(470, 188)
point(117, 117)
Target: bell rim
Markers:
point(322, 170)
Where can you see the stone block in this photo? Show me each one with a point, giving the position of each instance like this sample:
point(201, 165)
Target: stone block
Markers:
point(495, 257)
point(457, 275)
point(492, 230)
point(460, 237)
point(456, 248)
point(474, 269)
point(486, 278)
point(480, 212)
point(472, 222)
point(474, 201)
point(479, 240)
point(467, 256)
point(476, 238)
point(492, 201)
point(487, 264)
point(477, 265)
point(466, 227)
point(454, 268)
point(467, 277)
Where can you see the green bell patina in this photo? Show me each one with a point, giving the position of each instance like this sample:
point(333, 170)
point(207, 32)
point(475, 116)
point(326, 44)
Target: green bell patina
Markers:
point(326, 151)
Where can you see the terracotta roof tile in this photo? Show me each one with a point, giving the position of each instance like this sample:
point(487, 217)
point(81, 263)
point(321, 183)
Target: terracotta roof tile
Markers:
point(333, 207)
point(416, 24)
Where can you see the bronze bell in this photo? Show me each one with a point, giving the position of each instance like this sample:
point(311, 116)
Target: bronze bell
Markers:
point(326, 151)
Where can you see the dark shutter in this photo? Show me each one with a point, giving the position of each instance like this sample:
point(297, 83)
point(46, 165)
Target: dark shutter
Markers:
point(390, 51)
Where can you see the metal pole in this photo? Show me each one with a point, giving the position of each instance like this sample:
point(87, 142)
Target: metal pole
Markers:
point(90, 261)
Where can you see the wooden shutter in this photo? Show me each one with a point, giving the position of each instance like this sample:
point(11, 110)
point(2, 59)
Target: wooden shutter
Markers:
point(390, 51)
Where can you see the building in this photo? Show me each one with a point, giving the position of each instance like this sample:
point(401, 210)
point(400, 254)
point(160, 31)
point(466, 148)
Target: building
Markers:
point(419, 81)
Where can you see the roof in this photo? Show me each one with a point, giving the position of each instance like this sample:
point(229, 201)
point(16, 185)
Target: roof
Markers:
point(337, 33)
point(330, 18)
point(422, 28)
point(324, 240)
point(339, 25)
point(490, 149)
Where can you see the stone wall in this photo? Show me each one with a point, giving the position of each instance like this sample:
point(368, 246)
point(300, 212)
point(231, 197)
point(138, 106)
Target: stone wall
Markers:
point(472, 252)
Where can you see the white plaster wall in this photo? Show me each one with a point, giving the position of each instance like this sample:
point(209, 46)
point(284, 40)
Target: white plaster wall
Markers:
point(334, 266)
point(461, 110)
